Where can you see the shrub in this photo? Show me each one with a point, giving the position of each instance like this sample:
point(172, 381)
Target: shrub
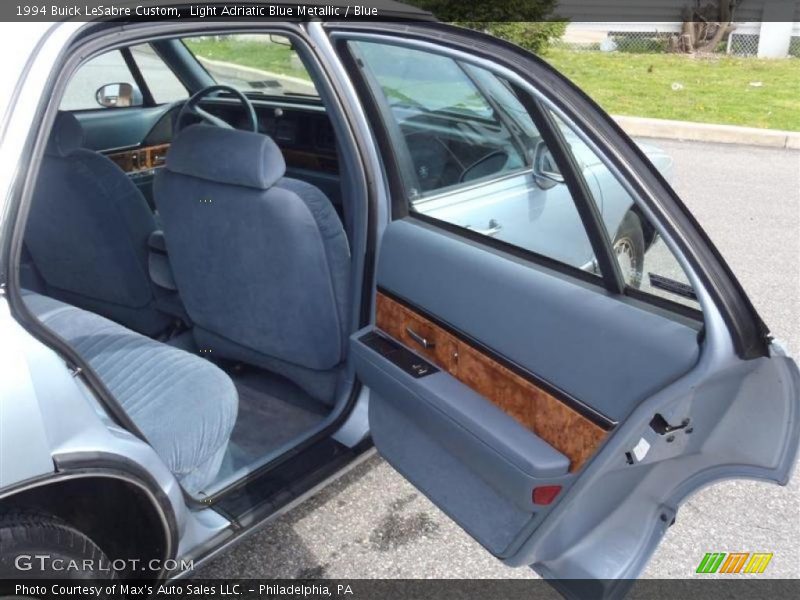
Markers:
point(527, 23)
point(641, 44)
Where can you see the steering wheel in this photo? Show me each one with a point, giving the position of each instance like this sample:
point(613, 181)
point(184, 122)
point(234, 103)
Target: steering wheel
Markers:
point(192, 107)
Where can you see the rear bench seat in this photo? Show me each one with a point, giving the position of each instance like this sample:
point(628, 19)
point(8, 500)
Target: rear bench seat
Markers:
point(184, 405)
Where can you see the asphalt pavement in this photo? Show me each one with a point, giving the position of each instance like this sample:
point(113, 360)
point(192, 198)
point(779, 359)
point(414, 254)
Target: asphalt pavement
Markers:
point(371, 523)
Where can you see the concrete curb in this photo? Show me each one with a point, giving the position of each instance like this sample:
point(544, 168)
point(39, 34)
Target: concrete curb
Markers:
point(704, 132)
point(249, 73)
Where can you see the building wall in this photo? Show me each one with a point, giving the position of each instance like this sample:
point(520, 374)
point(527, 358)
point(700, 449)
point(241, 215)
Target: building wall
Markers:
point(656, 11)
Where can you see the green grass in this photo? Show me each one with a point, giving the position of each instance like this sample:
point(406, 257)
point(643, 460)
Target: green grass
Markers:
point(276, 58)
point(715, 90)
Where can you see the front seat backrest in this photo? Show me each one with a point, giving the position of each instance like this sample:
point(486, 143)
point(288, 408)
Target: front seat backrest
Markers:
point(87, 232)
point(262, 262)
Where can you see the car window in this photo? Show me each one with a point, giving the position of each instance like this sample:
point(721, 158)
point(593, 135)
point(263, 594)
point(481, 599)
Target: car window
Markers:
point(442, 85)
point(265, 64)
point(108, 68)
point(470, 148)
point(647, 264)
point(161, 81)
point(453, 127)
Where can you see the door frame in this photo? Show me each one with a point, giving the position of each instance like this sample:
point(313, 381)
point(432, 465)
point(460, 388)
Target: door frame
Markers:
point(730, 318)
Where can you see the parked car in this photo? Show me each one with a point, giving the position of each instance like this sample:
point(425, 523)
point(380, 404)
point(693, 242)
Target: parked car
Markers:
point(258, 249)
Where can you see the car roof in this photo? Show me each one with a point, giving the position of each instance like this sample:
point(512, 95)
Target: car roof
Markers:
point(387, 9)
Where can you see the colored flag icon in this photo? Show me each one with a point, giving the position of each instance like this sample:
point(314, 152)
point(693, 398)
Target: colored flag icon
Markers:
point(734, 562)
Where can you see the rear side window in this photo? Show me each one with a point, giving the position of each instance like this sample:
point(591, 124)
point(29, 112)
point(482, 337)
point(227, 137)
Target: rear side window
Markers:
point(468, 150)
point(470, 154)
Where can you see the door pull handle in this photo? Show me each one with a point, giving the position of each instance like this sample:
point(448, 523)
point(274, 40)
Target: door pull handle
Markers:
point(425, 343)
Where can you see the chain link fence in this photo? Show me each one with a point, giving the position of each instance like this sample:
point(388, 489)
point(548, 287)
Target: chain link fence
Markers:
point(635, 42)
point(743, 44)
point(658, 42)
point(794, 46)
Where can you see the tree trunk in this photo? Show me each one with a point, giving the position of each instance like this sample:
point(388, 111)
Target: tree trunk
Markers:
point(704, 27)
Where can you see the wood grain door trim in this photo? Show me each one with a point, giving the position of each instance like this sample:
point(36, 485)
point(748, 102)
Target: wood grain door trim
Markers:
point(564, 428)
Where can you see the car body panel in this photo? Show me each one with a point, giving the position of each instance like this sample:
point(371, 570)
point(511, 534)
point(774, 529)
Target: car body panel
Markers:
point(24, 445)
point(513, 209)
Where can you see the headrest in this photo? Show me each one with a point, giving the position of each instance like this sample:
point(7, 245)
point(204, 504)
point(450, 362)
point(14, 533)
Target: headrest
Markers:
point(66, 135)
point(227, 156)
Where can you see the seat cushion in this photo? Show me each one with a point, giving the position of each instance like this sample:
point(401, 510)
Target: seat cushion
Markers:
point(184, 405)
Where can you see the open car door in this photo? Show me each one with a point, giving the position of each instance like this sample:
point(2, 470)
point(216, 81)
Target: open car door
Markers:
point(559, 357)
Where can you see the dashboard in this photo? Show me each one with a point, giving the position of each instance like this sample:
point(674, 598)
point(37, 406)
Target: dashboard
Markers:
point(304, 134)
point(447, 149)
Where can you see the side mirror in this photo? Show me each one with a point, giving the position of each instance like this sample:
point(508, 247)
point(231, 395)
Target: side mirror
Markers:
point(118, 95)
point(545, 170)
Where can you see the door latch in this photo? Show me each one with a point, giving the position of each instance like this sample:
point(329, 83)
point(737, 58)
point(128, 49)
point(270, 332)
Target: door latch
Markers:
point(662, 427)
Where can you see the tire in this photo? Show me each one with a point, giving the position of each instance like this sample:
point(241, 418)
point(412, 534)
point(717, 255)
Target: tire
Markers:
point(628, 246)
point(28, 534)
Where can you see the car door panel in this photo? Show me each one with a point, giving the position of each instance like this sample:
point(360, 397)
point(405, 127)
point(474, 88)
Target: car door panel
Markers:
point(513, 390)
point(497, 415)
point(606, 354)
point(647, 402)
point(438, 470)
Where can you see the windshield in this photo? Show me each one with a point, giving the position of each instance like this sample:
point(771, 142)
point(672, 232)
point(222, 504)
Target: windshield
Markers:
point(254, 63)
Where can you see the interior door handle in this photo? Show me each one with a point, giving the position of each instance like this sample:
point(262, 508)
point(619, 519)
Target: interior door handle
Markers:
point(419, 339)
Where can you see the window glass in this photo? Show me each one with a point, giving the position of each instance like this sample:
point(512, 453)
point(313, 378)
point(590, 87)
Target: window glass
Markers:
point(254, 63)
point(420, 82)
point(646, 262)
point(471, 150)
point(160, 80)
point(458, 123)
point(108, 68)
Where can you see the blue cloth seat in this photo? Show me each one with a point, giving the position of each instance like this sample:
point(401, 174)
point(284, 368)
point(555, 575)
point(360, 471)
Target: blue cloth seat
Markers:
point(261, 261)
point(184, 405)
point(87, 233)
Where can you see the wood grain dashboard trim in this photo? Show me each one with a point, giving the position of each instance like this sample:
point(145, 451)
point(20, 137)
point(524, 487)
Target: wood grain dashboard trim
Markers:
point(140, 159)
point(573, 434)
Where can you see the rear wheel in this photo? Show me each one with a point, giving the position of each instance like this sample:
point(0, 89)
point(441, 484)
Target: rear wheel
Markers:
point(629, 249)
point(34, 546)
